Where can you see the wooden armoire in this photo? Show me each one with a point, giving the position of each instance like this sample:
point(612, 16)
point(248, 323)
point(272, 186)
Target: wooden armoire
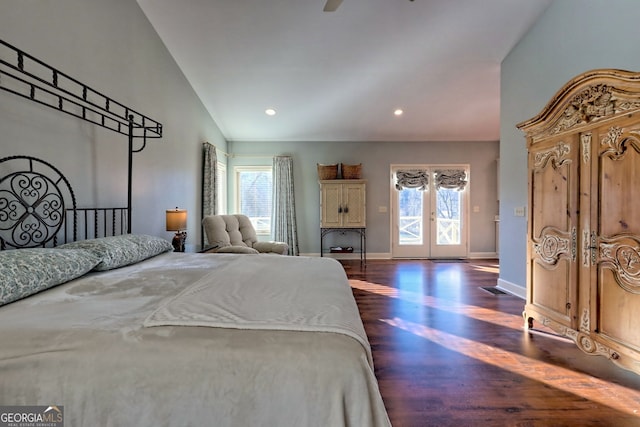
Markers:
point(583, 254)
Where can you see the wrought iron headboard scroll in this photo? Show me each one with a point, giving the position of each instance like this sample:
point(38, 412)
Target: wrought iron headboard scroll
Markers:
point(34, 199)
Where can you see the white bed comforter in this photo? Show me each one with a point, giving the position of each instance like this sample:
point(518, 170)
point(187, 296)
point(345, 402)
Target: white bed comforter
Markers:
point(84, 345)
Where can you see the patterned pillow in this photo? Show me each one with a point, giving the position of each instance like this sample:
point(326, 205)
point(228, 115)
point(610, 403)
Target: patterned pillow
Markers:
point(149, 246)
point(24, 272)
point(118, 251)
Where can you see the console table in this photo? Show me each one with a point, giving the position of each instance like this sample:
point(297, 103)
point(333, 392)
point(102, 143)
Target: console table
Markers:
point(360, 230)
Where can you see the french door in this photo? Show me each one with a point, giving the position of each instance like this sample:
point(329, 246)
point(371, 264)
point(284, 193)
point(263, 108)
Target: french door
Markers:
point(429, 211)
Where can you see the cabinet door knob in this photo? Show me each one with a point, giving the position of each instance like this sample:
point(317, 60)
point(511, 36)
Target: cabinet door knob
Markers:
point(339, 209)
point(346, 209)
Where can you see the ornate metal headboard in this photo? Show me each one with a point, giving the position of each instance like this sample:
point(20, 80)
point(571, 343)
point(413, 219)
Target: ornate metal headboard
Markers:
point(38, 208)
point(34, 199)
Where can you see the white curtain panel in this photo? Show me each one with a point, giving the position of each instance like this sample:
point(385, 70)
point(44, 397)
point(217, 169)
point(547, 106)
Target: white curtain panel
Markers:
point(283, 217)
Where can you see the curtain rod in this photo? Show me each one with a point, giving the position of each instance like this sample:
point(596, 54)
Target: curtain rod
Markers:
point(242, 155)
point(250, 155)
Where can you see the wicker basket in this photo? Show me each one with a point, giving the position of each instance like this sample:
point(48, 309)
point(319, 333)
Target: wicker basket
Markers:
point(351, 171)
point(327, 171)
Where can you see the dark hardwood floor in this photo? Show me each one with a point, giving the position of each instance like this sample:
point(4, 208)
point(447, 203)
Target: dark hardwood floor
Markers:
point(448, 353)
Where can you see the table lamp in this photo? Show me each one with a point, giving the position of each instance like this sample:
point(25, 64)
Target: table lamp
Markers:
point(177, 221)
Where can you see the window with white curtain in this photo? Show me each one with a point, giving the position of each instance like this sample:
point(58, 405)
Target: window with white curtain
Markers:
point(254, 193)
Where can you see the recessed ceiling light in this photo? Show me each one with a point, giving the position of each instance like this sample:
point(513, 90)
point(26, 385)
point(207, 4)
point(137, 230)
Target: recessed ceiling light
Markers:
point(270, 112)
point(398, 112)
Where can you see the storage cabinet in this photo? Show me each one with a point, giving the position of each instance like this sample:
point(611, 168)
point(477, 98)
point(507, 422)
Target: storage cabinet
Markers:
point(583, 254)
point(343, 210)
point(342, 203)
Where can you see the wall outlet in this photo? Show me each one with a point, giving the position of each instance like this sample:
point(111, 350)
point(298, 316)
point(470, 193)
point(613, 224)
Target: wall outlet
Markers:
point(382, 209)
point(519, 211)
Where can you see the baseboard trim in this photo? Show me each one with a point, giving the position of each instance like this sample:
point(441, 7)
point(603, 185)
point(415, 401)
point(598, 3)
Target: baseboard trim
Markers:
point(483, 255)
point(387, 255)
point(512, 288)
point(352, 255)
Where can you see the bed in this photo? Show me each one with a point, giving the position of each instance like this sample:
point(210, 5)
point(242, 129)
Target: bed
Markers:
point(119, 330)
point(112, 328)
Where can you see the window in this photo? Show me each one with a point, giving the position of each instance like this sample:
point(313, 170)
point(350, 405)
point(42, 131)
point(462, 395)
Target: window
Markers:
point(221, 183)
point(254, 194)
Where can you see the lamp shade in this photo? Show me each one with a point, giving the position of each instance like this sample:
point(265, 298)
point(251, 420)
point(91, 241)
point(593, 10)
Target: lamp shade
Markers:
point(176, 219)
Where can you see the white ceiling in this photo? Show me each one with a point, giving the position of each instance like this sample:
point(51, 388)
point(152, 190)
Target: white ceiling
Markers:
point(338, 76)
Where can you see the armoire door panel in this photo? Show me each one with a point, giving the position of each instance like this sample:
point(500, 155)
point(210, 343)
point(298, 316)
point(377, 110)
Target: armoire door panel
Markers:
point(553, 192)
point(617, 311)
point(618, 180)
point(353, 196)
point(330, 204)
point(553, 299)
point(553, 185)
point(618, 236)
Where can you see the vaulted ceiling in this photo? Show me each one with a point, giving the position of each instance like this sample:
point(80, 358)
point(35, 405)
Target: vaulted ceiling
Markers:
point(339, 76)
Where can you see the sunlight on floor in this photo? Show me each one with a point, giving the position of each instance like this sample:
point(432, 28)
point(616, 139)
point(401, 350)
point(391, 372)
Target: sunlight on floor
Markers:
point(475, 312)
point(487, 268)
point(585, 386)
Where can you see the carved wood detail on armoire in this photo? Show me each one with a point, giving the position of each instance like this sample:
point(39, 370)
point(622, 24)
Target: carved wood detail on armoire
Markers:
point(583, 246)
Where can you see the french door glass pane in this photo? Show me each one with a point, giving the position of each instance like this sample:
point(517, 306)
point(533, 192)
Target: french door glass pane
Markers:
point(410, 216)
point(448, 217)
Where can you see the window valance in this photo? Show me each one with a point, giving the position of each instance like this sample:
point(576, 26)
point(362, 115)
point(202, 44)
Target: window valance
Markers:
point(451, 179)
point(412, 179)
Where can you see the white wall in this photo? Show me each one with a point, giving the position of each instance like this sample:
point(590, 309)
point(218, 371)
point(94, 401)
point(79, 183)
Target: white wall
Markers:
point(573, 36)
point(110, 46)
